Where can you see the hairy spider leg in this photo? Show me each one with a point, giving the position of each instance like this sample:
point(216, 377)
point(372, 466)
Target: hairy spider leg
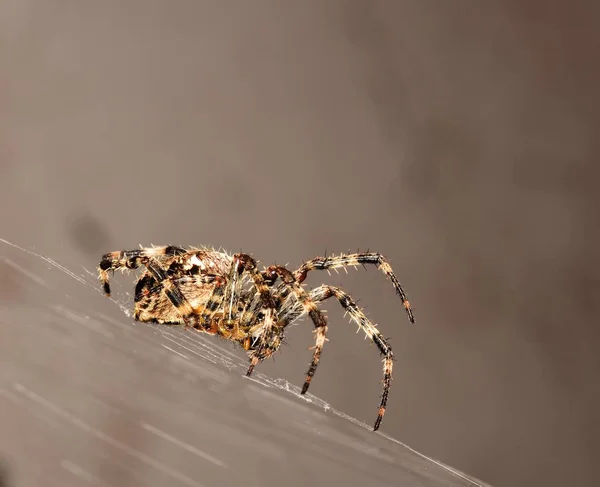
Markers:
point(310, 308)
point(324, 292)
point(223, 296)
point(131, 259)
point(246, 263)
point(232, 294)
point(360, 258)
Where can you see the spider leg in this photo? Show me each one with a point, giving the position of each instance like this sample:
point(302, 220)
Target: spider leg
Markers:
point(232, 293)
point(325, 292)
point(246, 263)
point(310, 308)
point(223, 294)
point(361, 258)
point(131, 259)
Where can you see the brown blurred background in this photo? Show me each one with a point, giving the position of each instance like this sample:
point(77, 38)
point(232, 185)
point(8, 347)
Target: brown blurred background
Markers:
point(455, 137)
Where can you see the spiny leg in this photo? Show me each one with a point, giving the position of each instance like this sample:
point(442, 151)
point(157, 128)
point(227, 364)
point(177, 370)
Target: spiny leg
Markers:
point(246, 263)
point(325, 292)
point(232, 293)
point(131, 259)
point(360, 258)
point(310, 308)
point(222, 295)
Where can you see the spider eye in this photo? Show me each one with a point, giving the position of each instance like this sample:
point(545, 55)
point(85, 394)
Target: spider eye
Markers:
point(302, 276)
point(270, 276)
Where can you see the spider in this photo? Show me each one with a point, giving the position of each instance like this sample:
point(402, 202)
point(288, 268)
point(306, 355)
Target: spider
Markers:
point(227, 295)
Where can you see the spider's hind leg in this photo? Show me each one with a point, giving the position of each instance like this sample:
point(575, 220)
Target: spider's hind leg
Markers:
point(353, 260)
point(325, 292)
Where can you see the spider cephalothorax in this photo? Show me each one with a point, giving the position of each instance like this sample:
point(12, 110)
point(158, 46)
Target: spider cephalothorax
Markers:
point(227, 295)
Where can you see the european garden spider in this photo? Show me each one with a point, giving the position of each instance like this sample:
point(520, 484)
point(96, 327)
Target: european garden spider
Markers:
point(227, 295)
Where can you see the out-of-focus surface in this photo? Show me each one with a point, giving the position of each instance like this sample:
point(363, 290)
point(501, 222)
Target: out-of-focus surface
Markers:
point(457, 139)
point(87, 398)
point(90, 399)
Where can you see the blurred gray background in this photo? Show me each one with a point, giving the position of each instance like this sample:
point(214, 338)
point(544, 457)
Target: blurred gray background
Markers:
point(455, 137)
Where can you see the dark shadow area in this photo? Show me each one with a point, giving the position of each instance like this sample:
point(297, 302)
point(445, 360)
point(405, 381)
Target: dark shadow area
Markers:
point(5, 477)
point(88, 234)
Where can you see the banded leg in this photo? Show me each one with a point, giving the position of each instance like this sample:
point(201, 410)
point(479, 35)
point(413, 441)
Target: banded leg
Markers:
point(131, 259)
point(310, 308)
point(361, 258)
point(223, 295)
point(246, 263)
point(325, 292)
point(232, 293)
